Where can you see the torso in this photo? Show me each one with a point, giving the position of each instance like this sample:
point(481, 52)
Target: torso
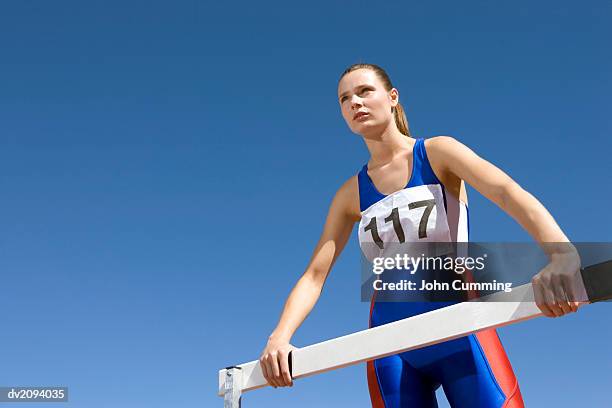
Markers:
point(395, 175)
point(409, 200)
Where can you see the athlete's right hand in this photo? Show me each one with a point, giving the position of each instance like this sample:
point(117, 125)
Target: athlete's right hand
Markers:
point(275, 363)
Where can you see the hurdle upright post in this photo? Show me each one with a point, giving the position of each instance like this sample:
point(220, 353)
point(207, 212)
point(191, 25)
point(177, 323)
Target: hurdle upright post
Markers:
point(233, 387)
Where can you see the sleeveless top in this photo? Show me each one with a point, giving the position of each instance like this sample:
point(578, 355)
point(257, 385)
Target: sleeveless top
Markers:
point(421, 212)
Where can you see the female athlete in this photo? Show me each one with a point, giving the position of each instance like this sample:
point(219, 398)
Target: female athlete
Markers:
point(473, 370)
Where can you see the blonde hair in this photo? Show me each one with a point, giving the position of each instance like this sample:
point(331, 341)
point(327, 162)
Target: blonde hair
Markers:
point(398, 110)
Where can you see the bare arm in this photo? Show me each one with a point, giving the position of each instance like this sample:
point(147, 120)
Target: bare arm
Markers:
point(342, 214)
point(336, 231)
point(449, 155)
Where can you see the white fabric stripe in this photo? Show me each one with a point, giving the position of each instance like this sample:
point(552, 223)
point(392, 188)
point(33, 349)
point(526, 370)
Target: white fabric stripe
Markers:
point(457, 218)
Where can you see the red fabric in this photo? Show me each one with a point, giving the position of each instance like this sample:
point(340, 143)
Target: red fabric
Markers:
point(375, 395)
point(501, 367)
point(373, 387)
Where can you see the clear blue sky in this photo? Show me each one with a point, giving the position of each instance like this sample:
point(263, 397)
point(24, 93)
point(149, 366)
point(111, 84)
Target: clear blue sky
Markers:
point(166, 168)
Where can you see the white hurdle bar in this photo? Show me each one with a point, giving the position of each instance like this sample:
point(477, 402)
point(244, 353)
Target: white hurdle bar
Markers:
point(408, 334)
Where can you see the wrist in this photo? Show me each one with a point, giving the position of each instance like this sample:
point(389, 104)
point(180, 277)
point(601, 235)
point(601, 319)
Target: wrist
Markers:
point(570, 259)
point(279, 336)
point(561, 250)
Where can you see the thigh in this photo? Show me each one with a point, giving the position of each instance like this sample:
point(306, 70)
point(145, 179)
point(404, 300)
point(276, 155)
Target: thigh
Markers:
point(393, 383)
point(480, 375)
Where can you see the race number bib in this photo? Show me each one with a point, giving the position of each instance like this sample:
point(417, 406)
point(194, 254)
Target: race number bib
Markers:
point(409, 217)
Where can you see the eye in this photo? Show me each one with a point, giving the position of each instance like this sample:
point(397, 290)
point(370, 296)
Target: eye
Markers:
point(363, 91)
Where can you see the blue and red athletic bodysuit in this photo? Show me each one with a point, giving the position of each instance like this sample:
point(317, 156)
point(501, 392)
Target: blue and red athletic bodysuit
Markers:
point(474, 371)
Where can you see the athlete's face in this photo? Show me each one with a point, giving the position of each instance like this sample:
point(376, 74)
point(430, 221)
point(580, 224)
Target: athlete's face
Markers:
point(364, 102)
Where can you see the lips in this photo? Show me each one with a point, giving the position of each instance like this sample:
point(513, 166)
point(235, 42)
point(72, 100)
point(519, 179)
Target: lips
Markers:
point(359, 114)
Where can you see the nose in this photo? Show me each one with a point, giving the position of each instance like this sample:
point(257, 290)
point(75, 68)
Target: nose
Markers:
point(355, 103)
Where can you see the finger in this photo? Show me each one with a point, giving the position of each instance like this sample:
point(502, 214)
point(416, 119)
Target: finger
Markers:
point(560, 297)
point(565, 307)
point(284, 366)
point(549, 297)
point(568, 287)
point(265, 370)
point(555, 309)
point(540, 299)
point(275, 369)
point(270, 360)
point(570, 292)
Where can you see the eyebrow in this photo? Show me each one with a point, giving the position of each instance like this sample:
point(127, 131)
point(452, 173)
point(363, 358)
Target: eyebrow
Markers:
point(358, 87)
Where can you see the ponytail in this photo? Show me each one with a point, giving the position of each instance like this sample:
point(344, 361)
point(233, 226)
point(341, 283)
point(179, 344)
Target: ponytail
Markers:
point(400, 120)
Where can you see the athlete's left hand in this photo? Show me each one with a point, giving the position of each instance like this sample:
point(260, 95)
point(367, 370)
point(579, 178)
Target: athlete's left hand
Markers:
point(558, 288)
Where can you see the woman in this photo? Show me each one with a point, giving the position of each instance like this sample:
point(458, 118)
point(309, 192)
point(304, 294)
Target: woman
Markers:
point(474, 370)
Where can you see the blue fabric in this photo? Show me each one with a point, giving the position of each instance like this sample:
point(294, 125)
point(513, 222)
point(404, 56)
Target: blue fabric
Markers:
point(410, 379)
point(421, 174)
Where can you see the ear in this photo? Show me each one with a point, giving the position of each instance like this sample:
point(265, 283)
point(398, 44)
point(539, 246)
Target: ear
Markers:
point(393, 97)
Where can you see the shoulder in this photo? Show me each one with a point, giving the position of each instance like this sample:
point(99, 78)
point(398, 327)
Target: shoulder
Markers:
point(347, 198)
point(441, 144)
point(447, 156)
point(444, 150)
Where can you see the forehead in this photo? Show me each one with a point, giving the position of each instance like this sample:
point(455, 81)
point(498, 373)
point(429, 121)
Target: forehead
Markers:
point(357, 78)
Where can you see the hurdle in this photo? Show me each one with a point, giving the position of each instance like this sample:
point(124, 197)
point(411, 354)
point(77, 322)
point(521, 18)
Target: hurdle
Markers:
point(408, 334)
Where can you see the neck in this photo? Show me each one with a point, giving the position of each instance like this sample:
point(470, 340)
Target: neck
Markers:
point(386, 145)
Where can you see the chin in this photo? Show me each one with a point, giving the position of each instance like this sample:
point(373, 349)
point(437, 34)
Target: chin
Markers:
point(365, 125)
